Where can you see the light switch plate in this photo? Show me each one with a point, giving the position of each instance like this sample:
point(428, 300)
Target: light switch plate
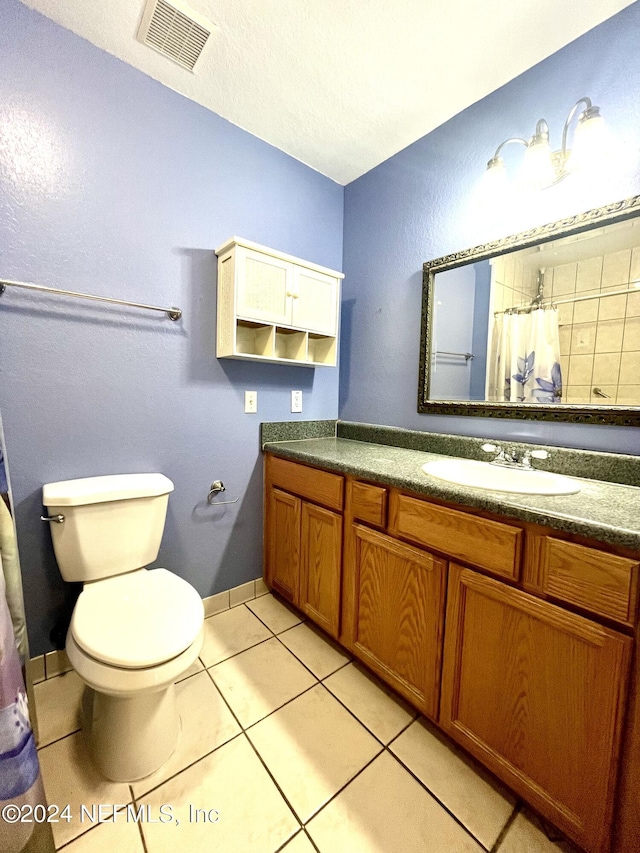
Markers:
point(250, 402)
point(296, 401)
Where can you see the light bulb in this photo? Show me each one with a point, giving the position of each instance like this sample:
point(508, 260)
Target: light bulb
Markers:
point(591, 143)
point(494, 180)
point(537, 171)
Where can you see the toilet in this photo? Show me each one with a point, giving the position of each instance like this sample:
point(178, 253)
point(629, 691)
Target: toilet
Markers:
point(134, 631)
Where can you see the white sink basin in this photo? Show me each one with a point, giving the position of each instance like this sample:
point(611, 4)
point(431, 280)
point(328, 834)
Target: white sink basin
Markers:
point(484, 475)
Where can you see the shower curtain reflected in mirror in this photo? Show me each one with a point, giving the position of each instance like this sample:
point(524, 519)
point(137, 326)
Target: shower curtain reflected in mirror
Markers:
point(524, 366)
point(20, 779)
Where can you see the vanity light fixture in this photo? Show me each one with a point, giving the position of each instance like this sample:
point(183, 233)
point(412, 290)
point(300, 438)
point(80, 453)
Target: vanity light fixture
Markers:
point(542, 167)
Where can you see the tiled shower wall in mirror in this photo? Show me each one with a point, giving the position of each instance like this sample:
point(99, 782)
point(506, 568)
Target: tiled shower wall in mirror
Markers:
point(600, 337)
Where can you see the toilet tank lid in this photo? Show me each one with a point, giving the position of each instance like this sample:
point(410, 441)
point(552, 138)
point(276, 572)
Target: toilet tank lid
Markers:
point(114, 487)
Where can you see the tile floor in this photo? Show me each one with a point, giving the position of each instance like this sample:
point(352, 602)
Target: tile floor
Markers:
point(287, 745)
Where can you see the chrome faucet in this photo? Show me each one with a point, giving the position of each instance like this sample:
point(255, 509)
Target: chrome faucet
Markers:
point(512, 458)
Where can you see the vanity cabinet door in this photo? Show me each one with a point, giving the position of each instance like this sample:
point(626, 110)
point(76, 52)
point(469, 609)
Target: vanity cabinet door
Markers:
point(537, 694)
point(398, 614)
point(284, 512)
point(321, 566)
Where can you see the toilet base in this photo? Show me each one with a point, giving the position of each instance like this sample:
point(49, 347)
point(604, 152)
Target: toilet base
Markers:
point(130, 737)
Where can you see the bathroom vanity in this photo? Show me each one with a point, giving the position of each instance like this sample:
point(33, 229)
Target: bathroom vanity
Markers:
point(509, 620)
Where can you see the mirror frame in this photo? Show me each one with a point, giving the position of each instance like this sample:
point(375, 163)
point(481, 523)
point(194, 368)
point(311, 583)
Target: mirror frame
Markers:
point(585, 413)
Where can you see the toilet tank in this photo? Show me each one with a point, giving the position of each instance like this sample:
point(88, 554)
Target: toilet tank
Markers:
point(111, 524)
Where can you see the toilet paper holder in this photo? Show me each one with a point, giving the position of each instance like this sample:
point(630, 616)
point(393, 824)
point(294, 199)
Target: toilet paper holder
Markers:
point(216, 487)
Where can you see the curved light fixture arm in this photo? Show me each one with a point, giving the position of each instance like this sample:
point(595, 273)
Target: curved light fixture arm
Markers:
point(572, 112)
point(506, 142)
point(496, 160)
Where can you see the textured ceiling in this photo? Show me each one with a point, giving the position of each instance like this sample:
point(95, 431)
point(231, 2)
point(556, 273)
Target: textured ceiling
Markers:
point(343, 84)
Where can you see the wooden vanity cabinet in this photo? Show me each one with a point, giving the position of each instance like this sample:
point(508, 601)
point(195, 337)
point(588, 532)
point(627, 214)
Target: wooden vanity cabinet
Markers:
point(515, 639)
point(303, 539)
point(596, 581)
point(538, 695)
point(483, 542)
point(396, 620)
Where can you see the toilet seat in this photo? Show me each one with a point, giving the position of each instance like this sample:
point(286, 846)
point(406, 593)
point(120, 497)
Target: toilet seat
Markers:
point(137, 620)
point(118, 681)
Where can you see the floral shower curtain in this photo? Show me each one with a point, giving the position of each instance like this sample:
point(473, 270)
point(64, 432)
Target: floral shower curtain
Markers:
point(525, 358)
point(22, 797)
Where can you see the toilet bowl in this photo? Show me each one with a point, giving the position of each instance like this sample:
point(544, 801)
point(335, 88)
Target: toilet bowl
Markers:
point(134, 631)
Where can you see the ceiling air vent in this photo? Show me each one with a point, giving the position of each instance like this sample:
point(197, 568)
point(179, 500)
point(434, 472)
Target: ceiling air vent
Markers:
point(175, 30)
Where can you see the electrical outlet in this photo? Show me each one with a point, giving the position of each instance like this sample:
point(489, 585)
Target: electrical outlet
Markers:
point(296, 401)
point(250, 402)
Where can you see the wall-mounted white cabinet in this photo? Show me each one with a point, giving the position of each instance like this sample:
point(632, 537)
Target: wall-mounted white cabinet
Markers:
point(274, 307)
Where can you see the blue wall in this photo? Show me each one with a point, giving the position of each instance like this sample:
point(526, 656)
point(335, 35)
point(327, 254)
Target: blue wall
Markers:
point(423, 203)
point(113, 184)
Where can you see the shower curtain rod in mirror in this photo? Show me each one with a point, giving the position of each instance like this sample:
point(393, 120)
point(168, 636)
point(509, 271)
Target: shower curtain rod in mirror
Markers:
point(173, 313)
point(549, 301)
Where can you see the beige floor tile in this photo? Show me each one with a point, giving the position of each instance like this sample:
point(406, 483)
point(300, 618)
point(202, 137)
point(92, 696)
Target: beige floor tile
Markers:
point(276, 615)
point(260, 680)
point(313, 746)
point(252, 813)
point(381, 712)
point(525, 835)
point(70, 778)
point(122, 835)
point(300, 844)
point(315, 650)
point(385, 809)
point(479, 802)
point(58, 706)
point(206, 723)
point(196, 666)
point(229, 633)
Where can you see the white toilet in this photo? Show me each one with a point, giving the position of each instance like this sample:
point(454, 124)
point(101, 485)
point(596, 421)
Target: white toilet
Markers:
point(134, 631)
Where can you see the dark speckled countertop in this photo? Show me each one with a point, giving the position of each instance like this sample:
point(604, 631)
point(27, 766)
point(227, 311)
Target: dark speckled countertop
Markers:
point(605, 511)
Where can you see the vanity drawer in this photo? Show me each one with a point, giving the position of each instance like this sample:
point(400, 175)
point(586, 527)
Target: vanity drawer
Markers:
point(318, 486)
point(481, 542)
point(597, 581)
point(369, 503)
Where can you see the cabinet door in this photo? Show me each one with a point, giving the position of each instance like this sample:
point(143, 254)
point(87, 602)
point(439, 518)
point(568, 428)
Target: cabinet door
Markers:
point(537, 694)
point(399, 613)
point(283, 544)
point(315, 301)
point(264, 287)
point(321, 566)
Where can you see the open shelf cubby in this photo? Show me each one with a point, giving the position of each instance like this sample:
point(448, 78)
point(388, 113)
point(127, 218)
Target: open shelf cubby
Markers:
point(290, 344)
point(322, 349)
point(254, 338)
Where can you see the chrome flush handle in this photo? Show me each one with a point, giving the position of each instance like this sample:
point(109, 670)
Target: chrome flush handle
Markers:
point(58, 519)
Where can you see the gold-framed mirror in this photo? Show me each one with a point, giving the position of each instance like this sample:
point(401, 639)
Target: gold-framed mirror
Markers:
point(540, 325)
